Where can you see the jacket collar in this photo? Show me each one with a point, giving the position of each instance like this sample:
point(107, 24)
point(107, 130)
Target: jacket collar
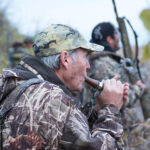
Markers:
point(37, 67)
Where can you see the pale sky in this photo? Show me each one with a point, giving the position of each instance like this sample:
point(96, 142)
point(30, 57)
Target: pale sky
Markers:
point(31, 16)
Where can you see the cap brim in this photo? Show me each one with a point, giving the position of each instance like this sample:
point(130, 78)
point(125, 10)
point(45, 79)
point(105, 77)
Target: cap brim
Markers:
point(92, 47)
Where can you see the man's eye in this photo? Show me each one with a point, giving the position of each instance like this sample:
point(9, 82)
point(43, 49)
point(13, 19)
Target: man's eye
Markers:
point(87, 56)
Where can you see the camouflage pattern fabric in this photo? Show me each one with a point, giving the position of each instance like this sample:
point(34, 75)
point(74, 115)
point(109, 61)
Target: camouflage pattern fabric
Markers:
point(45, 118)
point(106, 67)
point(146, 96)
point(140, 139)
point(57, 38)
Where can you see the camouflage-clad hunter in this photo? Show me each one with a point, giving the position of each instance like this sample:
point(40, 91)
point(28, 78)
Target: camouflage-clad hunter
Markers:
point(19, 50)
point(43, 115)
point(105, 65)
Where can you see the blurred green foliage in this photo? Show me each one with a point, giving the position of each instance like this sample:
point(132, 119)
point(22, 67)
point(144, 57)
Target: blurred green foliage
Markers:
point(146, 53)
point(145, 17)
point(8, 34)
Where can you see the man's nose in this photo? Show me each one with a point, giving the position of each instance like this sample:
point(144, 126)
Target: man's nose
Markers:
point(87, 64)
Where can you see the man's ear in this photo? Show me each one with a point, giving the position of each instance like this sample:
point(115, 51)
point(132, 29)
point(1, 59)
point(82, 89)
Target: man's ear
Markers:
point(64, 59)
point(109, 40)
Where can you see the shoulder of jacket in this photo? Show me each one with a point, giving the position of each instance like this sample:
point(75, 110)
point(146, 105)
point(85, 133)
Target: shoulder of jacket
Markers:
point(53, 91)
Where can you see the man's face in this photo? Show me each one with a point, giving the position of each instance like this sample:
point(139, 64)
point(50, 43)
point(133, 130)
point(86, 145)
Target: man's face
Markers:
point(28, 45)
point(77, 70)
point(115, 42)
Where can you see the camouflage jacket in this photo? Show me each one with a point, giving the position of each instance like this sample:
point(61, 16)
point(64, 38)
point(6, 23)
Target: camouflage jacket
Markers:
point(45, 116)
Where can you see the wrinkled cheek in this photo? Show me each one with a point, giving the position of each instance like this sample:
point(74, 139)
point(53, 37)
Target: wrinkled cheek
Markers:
point(79, 81)
point(79, 76)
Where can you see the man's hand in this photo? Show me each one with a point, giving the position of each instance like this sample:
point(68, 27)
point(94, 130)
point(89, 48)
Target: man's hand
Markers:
point(125, 92)
point(114, 92)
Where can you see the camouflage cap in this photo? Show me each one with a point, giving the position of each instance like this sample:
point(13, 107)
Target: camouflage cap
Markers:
point(57, 38)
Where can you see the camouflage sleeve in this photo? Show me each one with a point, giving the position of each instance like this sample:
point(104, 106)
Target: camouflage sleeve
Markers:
point(135, 93)
point(106, 133)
